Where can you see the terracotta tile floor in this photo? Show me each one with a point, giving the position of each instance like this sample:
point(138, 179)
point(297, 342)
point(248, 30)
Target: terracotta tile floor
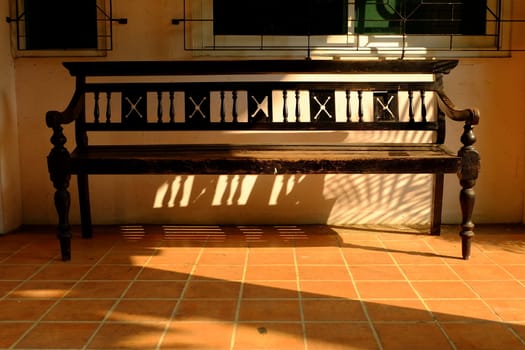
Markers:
point(278, 287)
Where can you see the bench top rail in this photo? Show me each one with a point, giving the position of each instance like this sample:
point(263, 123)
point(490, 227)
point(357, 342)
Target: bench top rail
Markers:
point(401, 95)
point(196, 67)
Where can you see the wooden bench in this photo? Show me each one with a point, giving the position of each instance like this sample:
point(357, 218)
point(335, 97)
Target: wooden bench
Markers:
point(262, 96)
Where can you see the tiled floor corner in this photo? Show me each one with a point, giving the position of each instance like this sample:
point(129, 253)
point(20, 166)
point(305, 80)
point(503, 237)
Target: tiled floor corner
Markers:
point(263, 287)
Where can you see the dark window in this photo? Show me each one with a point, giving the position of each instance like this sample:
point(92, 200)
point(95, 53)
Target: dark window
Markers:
point(60, 24)
point(467, 17)
point(330, 17)
point(280, 17)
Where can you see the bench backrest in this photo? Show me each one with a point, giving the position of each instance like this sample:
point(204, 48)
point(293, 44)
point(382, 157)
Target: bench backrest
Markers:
point(272, 95)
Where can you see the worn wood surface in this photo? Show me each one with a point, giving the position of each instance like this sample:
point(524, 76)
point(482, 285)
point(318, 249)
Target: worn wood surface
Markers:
point(264, 159)
point(130, 83)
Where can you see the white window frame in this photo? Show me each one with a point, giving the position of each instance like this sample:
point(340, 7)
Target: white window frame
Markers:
point(199, 38)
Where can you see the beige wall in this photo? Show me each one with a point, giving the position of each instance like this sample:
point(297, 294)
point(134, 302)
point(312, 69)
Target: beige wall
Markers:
point(495, 86)
point(10, 199)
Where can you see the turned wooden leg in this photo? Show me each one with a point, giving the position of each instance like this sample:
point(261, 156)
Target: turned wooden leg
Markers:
point(85, 210)
point(62, 204)
point(467, 199)
point(468, 173)
point(437, 204)
point(58, 166)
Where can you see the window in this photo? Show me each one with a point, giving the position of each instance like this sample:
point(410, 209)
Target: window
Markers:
point(430, 28)
point(278, 17)
point(421, 17)
point(60, 24)
point(61, 27)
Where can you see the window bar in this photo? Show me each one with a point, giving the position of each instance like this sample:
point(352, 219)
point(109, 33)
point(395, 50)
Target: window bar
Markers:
point(109, 17)
point(17, 19)
point(21, 13)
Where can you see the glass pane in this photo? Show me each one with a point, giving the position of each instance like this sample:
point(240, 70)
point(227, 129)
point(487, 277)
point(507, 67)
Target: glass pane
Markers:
point(60, 24)
point(280, 17)
point(467, 17)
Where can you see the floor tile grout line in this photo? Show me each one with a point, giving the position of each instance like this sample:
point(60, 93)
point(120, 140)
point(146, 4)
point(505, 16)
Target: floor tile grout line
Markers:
point(504, 268)
point(444, 322)
point(479, 297)
point(520, 338)
point(117, 300)
point(233, 337)
point(58, 300)
point(369, 321)
point(154, 322)
point(484, 300)
point(21, 249)
point(300, 298)
point(179, 301)
point(421, 299)
point(25, 280)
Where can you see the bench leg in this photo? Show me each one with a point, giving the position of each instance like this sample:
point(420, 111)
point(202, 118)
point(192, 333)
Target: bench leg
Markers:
point(84, 203)
point(468, 174)
point(62, 204)
point(58, 167)
point(467, 199)
point(437, 204)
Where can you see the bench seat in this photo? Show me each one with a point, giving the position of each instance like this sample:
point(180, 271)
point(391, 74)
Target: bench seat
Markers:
point(264, 159)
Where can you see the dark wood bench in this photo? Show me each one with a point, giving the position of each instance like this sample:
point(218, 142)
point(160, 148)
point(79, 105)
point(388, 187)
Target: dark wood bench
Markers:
point(263, 96)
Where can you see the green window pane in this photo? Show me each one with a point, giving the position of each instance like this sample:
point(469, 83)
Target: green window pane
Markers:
point(465, 17)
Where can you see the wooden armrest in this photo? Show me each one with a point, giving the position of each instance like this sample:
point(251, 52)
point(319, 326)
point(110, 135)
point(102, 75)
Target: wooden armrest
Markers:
point(71, 113)
point(469, 115)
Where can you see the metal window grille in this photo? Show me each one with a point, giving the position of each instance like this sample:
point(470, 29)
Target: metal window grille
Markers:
point(371, 27)
point(63, 25)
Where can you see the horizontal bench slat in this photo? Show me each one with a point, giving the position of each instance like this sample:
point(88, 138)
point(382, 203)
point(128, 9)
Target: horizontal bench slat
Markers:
point(263, 126)
point(143, 68)
point(264, 159)
point(255, 85)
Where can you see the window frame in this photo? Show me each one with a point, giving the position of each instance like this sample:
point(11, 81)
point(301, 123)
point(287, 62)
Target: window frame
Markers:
point(200, 39)
point(104, 33)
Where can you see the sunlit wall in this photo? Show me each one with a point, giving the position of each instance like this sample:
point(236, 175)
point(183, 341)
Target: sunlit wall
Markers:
point(10, 198)
point(495, 86)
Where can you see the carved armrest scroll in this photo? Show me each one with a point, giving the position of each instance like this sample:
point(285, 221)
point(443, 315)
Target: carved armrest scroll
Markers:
point(70, 114)
point(468, 115)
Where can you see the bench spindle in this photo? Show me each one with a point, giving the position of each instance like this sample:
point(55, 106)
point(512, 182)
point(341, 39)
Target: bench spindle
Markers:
point(423, 106)
point(360, 113)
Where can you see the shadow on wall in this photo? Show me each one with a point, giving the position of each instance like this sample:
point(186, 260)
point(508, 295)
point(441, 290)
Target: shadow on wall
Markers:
point(264, 199)
point(244, 198)
point(296, 198)
point(293, 199)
